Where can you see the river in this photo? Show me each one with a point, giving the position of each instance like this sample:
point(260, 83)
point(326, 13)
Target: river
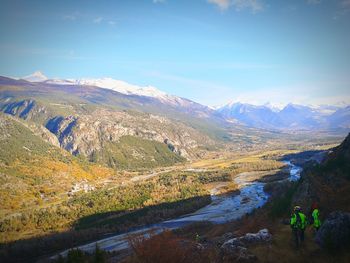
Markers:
point(222, 209)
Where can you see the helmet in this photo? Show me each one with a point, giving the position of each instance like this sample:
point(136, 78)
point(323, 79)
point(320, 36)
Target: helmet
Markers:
point(297, 208)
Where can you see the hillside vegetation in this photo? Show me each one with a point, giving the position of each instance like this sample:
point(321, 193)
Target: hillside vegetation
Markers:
point(114, 207)
point(328, 183)
point(32, 170)
point(133, 152)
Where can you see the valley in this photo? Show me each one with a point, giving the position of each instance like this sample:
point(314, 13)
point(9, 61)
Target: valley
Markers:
point(222, 209)
point(79, 163)
point(124, 199)
point(164, 131)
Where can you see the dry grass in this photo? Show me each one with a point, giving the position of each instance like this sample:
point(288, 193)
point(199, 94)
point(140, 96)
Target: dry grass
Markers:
point(167, 248)
point(212, 163)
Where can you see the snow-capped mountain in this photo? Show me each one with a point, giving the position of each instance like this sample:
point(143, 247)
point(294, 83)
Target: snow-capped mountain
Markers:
point(106, 83)
point(328, 109)
point(340, 118)
point(250, 115)
point(276, 107)
point(123, 87)
point(141, 95)
point(37, 76)
point(300, 116)
point(267, 116)
point(292, 116)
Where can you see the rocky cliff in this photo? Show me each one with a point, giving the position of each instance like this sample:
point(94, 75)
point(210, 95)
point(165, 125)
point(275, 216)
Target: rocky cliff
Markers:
point(96, 133)
point(85, 134)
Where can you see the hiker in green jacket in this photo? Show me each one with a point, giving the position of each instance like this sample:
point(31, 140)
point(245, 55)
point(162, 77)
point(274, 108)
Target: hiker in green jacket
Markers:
point(197, 237)
point(315, 217)
point(298, 224)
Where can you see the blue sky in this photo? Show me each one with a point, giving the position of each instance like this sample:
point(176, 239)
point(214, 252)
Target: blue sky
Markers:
point(210, 51)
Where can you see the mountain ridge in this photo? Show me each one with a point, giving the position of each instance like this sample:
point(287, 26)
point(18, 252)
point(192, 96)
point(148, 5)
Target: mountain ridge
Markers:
point(95, 123)
point(151, 91)
point(290, 117)
point(108, 83)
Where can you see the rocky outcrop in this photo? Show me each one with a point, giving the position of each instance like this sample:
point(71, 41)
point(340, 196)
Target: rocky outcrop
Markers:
point(27, 109)
point(86, 134)
point(89, 132)
point(19, 108)
point(42, 132)
point(63, 129)
point(236, 248)
point(335, 231)
point(249, 238)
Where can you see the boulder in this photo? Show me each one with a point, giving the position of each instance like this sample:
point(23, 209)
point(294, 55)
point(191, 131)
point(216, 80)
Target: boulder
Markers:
point(220, 240)
point(335, 231)
point(250, 238)
point(234, 242)
point(262, 236)
point(236, 247)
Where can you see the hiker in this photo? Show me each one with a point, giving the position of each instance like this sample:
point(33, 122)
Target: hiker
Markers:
point(298, 224)
point(197, 237)
point(315, 217)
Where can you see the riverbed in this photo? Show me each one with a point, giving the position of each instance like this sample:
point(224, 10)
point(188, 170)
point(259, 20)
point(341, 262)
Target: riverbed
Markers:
point(222, 209)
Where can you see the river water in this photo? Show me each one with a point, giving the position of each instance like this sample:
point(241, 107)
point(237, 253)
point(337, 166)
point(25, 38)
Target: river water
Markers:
point(222, 209)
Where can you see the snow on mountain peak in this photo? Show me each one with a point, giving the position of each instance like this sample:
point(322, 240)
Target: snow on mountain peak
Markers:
point(123, 87)
point(106, 83)
point(276, 107)
point(37, 76)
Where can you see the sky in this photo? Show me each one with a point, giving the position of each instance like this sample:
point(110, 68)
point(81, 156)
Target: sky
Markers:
point(210, 51)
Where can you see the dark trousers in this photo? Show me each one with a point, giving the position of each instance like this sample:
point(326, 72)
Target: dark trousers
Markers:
point(298, 235)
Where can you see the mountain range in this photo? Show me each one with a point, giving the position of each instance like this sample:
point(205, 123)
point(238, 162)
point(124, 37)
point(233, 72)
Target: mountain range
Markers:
point(109, 127)
point(64, 141)
point(107, 83)
point(289, 117)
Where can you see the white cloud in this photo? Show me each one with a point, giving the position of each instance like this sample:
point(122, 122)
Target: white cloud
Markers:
point(98, 20)
point(345, 4)
point(72, 16)
point(158, 1)
point(111, 22)
point(222, 4)
point(343, 9)
point(253, 5)
point(313, 2)
point(69, 17)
